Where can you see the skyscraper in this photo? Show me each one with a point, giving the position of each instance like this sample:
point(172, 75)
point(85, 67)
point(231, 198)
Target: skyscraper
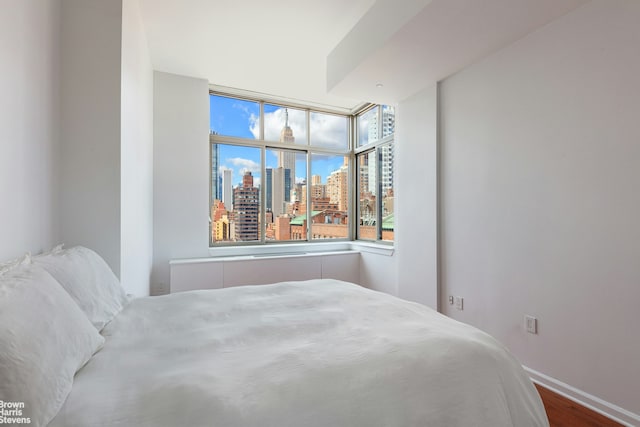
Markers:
point(386, 128)
point(287, 159)
point(246, 205)
point(216, 190)
point(227, 188)
point(337, 187)
point(268, 188)
point(278, 192)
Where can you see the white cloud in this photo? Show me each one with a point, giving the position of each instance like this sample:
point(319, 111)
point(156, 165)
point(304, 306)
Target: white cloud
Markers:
point(275, 121)
point(327, 130)
point(242, 107)
point(244, 164)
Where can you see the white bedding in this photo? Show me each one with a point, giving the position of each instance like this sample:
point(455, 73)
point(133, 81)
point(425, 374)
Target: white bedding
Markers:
point(316, 353)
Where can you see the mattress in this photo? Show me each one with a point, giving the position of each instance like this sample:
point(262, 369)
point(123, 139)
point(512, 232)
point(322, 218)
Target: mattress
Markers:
point(313, 353)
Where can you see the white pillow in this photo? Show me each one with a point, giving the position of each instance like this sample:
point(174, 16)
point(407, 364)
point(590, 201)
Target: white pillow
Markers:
point(89, 281)
point(44, 340)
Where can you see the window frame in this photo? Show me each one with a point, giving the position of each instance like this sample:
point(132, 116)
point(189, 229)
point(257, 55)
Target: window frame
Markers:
point(308, 149)
point(375, 146)
point(352, 152)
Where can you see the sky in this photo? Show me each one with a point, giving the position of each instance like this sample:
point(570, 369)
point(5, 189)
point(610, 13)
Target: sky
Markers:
point(240, 118)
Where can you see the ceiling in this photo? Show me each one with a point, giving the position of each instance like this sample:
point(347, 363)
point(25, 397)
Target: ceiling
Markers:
point(335, 53)
point(276, 47)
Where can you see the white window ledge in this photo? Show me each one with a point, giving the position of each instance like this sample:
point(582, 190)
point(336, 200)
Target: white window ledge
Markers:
point(373, 247)
point(297, 249)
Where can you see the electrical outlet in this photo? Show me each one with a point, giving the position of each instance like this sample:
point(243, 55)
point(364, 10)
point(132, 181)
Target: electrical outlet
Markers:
point(450, 299)
point(458, 302)
point(530, 324)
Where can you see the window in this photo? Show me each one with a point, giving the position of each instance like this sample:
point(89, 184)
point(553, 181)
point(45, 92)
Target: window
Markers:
point(374, 174)
point(283, 173)
point(278, 173)
point(329, 196)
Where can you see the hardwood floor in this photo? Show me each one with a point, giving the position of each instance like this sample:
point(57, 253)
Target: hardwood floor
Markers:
point(563, 412)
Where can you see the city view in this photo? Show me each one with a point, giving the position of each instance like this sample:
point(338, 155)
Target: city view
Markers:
point(236, 181)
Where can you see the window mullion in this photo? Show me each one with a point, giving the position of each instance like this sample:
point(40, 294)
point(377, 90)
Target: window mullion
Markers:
point(308, 197)
point(261, 133)
point(351, 197)
point(380, 123)
point(263, 196)
point(352, 210)
point(263, 171)
point(379, 193)
point(308, 126)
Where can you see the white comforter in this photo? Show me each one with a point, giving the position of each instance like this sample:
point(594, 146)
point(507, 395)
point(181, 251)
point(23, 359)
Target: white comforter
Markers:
point(317, 353)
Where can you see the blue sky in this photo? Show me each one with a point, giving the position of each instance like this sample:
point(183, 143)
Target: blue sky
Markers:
point(235, 117)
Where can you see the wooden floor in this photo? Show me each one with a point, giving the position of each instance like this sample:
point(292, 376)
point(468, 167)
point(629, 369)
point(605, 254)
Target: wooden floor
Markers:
point(563, 412)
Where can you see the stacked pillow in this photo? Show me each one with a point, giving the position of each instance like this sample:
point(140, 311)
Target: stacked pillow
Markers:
point(88, 280)
point(52, 308)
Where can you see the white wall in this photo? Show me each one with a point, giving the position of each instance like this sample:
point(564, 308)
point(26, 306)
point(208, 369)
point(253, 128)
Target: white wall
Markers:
point(540, 171)
point(180, 173)
point(416, 192)
point(29, 132)
point(90, 134)
point(379, 272)
point(136, 244)
point(411, 271)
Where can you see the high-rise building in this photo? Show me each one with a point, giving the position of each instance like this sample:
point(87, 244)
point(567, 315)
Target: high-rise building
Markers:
point(337, 188)
point(287, 159)
point(388, 120)
point(278, 192)
point(246, 206)
point(386, 165)
point(289, 184)
point(227, 188)
point(216, 190)
point(363, 170)
point(386, 127)
point(268, 188)
point(318, 189)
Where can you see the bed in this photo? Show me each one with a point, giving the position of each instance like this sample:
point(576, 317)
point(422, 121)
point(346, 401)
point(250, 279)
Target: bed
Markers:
point(313, 353)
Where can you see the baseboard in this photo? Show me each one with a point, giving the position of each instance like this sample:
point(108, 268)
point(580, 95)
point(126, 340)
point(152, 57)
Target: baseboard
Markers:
point(594, 403)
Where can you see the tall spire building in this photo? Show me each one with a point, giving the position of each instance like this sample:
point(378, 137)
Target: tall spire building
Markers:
point(287, 159)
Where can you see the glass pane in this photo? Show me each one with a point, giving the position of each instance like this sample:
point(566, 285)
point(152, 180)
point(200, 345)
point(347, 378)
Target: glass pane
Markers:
point(285, 175)
point(368, 127)
point(367, 188)
point(329, 196)
point(288, 125)
point(329, 130)
point(388, 120)
point(386, 169)
point(235, 194)
point(234, 117)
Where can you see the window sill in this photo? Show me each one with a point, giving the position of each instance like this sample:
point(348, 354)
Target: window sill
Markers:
point(278, 249)
point(297, 249)
point(386, 249)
